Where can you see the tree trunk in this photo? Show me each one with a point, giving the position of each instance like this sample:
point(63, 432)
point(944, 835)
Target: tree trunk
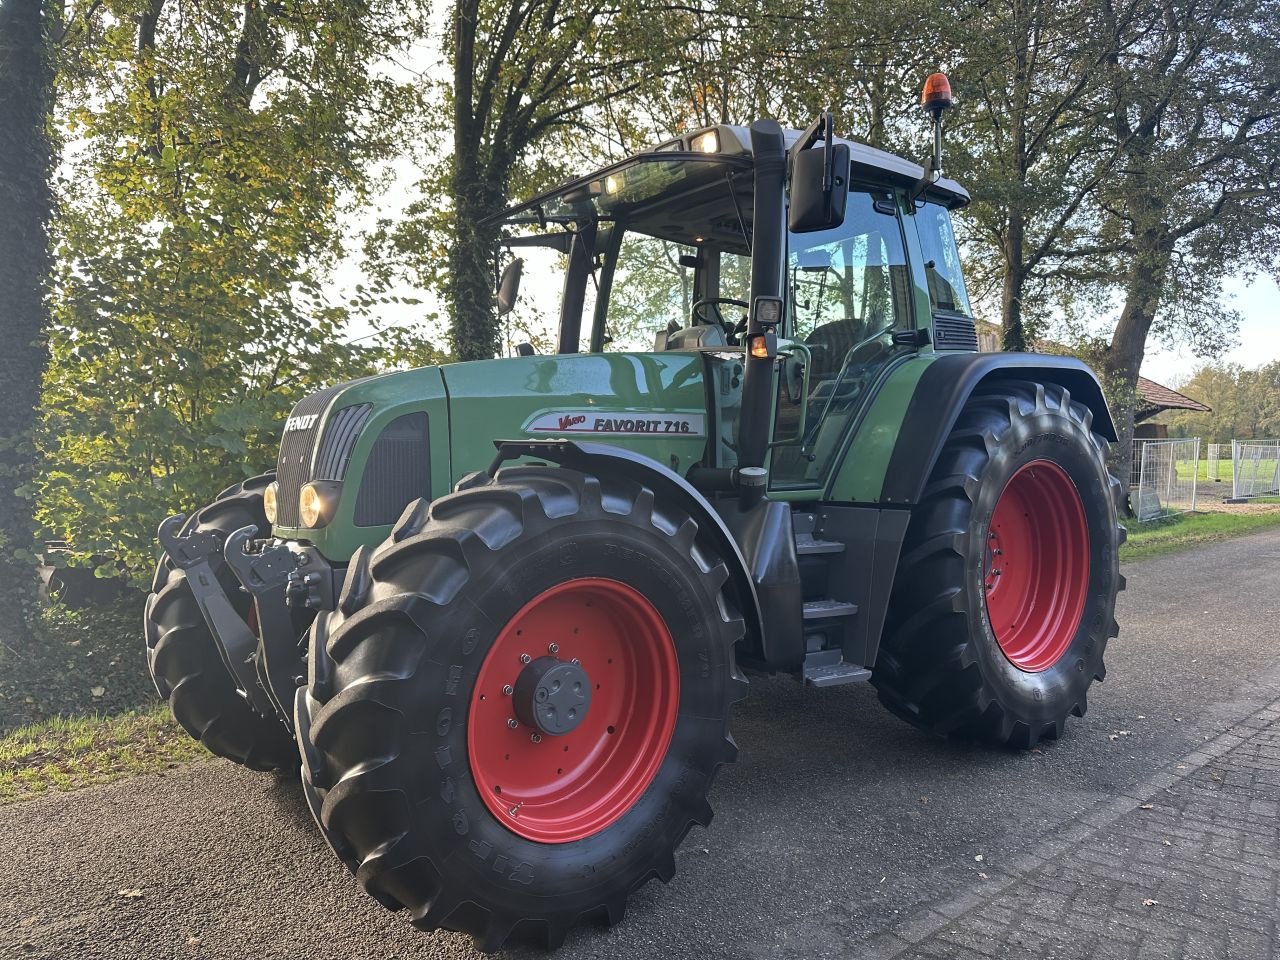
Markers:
point(26, 95)
point(1143, 286)
point(469, 285)
point(1012, 336)
point(474, 328)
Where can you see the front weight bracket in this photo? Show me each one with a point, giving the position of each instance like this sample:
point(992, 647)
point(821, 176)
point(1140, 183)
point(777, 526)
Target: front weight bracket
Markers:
point(265, 573)
point(236, 642)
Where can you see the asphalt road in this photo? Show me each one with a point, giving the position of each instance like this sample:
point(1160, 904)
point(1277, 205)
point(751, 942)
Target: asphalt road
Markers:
point(837, 823)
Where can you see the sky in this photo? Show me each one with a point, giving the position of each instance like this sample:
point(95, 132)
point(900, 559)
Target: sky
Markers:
point(1258, 342)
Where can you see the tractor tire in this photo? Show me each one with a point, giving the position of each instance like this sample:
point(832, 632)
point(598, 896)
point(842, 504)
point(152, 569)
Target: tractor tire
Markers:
point(1005, 591)
point(429, 760)
point(184, 659)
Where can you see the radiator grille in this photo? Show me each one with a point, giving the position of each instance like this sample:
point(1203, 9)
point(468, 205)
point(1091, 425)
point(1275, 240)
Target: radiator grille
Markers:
point(296, 447)
point(340, 436)
point(397, 473)
point(954, 332)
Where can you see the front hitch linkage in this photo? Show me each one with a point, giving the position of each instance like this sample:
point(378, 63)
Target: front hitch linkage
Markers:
point(265, 575)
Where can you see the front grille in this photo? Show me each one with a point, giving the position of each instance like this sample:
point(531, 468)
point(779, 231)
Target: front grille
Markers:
point(340, 436)
point(954, 332)
point(397, 472)
point(296, 446)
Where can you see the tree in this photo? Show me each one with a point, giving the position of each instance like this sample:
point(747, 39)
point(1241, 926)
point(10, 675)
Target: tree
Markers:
point(1244, 403)
point(1193, 110)
point(532, 82)
point(26, 159)
point(1027, 142)
point(219, 141)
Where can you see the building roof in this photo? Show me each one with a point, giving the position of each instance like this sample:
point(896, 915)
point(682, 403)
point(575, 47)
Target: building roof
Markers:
point(1162, 398)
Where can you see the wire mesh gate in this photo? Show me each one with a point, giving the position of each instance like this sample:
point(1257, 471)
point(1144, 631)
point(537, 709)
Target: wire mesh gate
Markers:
point(1255, 468)
point(1165, 477)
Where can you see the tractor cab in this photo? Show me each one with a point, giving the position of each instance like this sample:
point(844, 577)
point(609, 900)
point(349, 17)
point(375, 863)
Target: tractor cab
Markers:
point(657, 258)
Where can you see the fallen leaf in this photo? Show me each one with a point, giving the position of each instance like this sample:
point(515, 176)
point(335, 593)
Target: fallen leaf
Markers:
point(1149, 902)
point(1147, 806)
point(98, 691)
point(978, 858)
point(1113, 737)
point(193, 941)
point(131, 892)
point(982, 876)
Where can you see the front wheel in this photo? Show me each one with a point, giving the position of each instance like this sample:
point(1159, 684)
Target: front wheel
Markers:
point(1004, 598)
point(515, 714)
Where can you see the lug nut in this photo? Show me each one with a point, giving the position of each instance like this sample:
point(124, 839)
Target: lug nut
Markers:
point(511, 722)
point(508, 690)
point(553, 648)
point(525, 658)
point(536, 738)
point(575, 661)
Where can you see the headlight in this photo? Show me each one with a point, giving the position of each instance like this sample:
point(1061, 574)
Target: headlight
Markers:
point(706, 142)
point(269, 505)
point(317, 502)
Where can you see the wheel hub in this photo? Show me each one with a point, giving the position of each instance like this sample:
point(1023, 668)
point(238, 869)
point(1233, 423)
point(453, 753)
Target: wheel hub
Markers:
point(552, 695)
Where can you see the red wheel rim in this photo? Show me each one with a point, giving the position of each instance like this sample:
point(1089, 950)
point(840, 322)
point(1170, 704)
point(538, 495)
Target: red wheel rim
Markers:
point(556, 789)
point(1036, 574)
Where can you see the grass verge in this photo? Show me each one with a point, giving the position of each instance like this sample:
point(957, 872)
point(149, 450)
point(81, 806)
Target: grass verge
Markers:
point(67, 754)
point(1190, 529)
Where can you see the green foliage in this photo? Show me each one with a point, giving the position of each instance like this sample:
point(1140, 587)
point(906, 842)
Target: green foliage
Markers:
point(217, 143)
point(1245, 404)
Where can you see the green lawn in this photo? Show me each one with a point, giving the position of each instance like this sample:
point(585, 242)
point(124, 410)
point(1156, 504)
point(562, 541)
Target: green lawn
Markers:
point(66, 754)
point(1178, 533)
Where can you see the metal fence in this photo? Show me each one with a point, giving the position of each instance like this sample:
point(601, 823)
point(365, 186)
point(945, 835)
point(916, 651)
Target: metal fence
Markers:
point(1218, 461)
point(1164, 477)
point(1255, 468)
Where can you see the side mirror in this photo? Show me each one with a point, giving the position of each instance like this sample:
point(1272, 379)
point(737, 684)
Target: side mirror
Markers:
point(819, 179)
point(509, 286)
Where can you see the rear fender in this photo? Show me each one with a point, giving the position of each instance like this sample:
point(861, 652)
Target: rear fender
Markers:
point(945, 387)
point(602, 460)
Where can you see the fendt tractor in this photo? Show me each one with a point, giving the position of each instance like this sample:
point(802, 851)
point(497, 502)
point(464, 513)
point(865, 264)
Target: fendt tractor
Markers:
point(499, 611)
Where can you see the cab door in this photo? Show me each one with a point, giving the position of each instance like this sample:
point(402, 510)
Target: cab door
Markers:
point(849, 290)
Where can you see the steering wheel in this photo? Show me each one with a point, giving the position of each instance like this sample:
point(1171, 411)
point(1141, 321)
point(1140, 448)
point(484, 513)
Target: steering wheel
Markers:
point(715, 303)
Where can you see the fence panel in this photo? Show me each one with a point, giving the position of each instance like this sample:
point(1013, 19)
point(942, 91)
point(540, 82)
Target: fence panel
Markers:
point(1255, 468)
point(1166, 482)
point(1219, 454)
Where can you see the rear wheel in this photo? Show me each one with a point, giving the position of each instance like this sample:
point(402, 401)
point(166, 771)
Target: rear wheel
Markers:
point(1005, 593)
point(183, 657)
point(515, 714)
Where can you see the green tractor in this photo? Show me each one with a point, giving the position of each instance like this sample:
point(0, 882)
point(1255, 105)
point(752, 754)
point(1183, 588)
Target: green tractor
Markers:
point(500, 611)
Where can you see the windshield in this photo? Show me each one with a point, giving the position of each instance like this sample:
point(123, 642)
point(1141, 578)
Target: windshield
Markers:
point(643, 190)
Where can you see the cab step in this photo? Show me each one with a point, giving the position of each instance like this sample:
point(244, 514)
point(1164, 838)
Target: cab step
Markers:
point(826, 668)
point(807, 545)
point(828, 609)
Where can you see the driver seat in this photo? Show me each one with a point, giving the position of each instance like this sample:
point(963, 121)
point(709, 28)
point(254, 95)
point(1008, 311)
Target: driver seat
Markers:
point(704, 336)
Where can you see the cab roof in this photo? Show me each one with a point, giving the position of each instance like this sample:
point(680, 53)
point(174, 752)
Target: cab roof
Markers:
point(867, 161)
